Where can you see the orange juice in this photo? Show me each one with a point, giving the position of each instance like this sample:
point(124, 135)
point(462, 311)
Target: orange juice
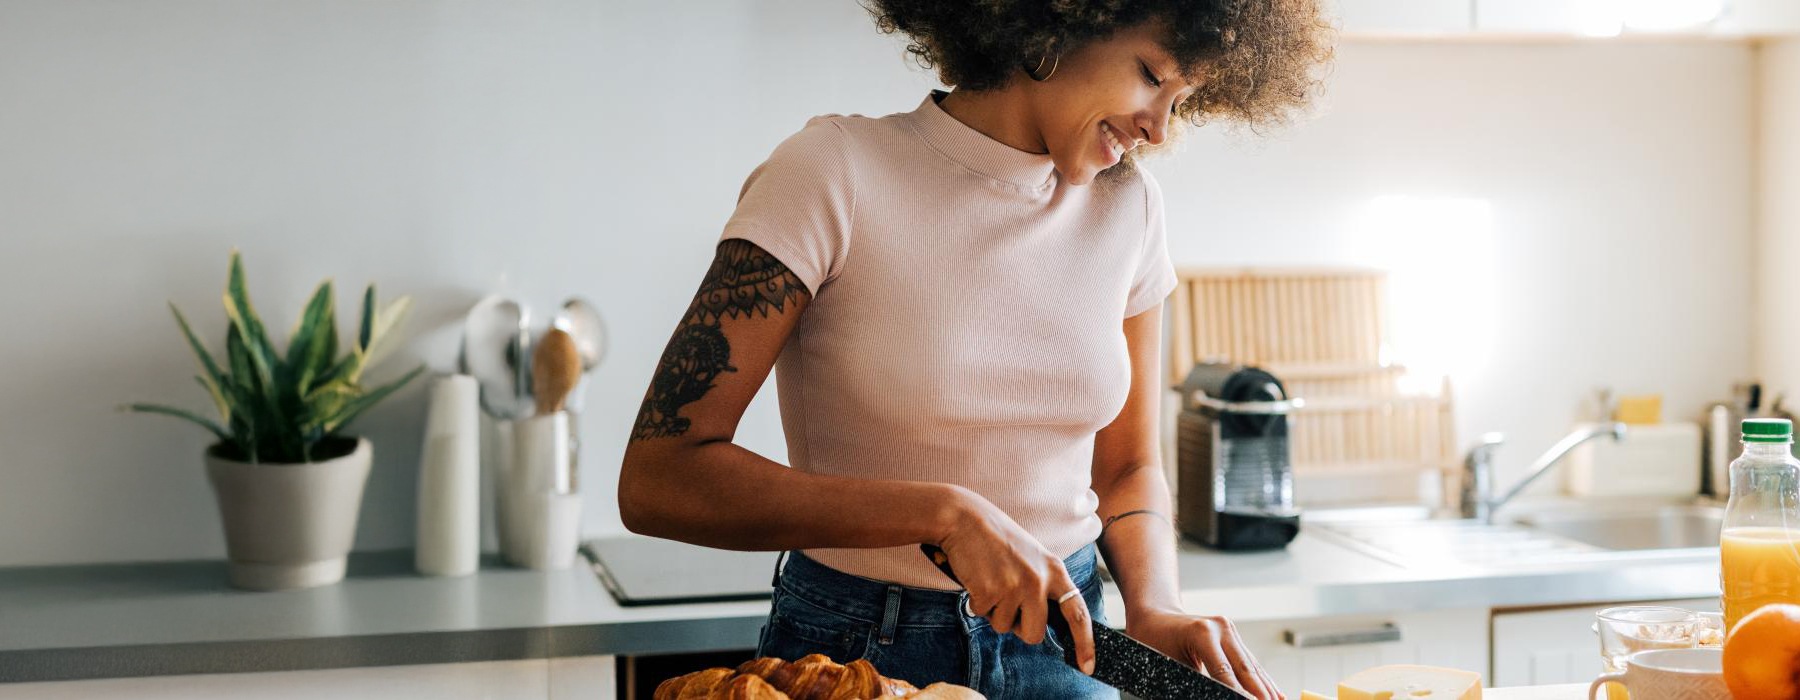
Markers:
point(1758, 566)
point(1759, 545)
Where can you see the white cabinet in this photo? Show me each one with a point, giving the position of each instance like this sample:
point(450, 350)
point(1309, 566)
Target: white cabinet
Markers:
point(1475, 19)
point(1615, 17)
point(1404, 17)
point(1760, 17)
point(584, 678)
point(1543, 647)
point(1315, 653)
point(1582, 17)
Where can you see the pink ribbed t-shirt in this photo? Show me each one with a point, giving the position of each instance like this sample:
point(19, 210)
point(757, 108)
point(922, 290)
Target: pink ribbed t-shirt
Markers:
point(966, 319)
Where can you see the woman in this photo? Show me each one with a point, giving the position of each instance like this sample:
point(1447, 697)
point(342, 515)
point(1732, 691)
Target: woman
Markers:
point(963, 306)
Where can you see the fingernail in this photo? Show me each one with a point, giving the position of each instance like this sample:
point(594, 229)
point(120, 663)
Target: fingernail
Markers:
point(1087, 666)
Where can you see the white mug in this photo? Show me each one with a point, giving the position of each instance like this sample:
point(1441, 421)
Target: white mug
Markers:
point(1670, 674)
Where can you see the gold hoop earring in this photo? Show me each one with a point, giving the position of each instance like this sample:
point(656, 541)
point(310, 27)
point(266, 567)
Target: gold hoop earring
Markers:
point(1040, 66)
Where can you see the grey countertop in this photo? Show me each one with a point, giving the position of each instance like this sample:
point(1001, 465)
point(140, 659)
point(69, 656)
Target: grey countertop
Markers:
point(122, 620)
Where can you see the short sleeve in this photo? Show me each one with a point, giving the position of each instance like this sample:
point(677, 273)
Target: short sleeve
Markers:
point(799, 203)
point(1155, 277)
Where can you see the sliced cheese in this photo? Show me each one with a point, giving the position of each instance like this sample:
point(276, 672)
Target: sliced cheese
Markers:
point(1310, 695)
point(1405, 682)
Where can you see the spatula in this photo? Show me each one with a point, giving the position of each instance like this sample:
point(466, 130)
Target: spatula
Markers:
point(555, 368)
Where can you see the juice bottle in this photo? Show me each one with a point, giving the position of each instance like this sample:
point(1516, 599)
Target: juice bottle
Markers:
point(1759, 548)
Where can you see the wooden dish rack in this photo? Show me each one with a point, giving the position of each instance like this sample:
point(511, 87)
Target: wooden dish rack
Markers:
point(1364, 434)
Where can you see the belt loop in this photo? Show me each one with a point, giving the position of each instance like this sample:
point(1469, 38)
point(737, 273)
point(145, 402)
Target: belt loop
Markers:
point(890, 618)
point(775, 580)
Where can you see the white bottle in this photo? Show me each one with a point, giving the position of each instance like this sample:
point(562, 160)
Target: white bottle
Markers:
point(449, 532)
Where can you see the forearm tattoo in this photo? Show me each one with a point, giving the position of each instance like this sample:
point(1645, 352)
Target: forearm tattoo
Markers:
point(743, 282)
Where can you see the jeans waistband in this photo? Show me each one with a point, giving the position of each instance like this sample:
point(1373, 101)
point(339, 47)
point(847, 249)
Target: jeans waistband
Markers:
point(875, 601)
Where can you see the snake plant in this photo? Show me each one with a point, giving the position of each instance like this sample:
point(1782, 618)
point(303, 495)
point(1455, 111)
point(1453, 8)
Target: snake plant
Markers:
point(286, 408)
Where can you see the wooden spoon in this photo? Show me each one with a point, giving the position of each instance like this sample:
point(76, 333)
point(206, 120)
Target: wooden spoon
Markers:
point(555, 368)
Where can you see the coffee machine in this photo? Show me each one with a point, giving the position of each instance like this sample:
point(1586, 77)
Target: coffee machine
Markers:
point(1235, 480)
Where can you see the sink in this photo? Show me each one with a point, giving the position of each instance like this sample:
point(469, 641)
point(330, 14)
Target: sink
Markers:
point(1675, 527)
point(1456, 543)
point(1565, 535)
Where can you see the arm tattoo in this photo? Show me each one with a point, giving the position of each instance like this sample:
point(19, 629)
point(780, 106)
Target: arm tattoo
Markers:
point(743, 282)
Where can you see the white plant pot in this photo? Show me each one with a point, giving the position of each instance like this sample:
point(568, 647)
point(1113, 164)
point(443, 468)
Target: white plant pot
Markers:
point(289, 525)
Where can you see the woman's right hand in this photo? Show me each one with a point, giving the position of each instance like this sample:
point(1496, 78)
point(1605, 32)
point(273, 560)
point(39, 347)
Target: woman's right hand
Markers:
point(1011, 579)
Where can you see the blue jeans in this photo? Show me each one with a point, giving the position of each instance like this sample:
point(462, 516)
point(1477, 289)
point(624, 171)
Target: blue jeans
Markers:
point(922, 636)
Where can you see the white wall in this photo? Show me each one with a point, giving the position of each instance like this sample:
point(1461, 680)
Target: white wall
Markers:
point(1583, 210)
point(559, 147)
point(1777, 327)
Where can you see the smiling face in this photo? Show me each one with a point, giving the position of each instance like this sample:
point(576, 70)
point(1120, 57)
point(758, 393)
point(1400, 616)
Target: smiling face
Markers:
point(1105, 99)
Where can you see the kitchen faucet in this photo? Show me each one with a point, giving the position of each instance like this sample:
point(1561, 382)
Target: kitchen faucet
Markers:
point(1478, 468)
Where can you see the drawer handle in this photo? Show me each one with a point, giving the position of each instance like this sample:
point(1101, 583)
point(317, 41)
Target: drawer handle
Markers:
point(1387, 632)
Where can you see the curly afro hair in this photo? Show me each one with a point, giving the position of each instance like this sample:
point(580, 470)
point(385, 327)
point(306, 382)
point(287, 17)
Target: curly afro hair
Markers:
point(1255, 61)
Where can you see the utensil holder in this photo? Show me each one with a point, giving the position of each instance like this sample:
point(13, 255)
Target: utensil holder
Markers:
point(538, 513)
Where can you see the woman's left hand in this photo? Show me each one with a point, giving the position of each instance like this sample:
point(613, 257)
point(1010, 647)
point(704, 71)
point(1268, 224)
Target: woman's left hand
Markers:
point(1209, 643)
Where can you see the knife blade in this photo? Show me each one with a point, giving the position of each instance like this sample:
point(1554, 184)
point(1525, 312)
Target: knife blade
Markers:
point(1120, 661)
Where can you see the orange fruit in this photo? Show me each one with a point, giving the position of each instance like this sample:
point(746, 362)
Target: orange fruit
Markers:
point(1762, 654)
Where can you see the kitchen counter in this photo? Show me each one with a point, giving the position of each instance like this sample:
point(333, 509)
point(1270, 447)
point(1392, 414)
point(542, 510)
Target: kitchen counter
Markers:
point(126, 620)
point(1317, 575)
point(122, 620)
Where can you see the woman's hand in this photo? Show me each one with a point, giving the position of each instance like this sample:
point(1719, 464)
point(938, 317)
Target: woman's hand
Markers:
point(1011, 579)
point(1210, 644)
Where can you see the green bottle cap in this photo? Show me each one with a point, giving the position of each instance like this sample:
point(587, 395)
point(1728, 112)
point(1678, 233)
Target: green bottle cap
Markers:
point(1768, 430)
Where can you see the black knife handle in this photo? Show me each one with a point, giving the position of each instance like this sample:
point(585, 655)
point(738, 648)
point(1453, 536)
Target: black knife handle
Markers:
point(1057, 622)
point(1120, 661)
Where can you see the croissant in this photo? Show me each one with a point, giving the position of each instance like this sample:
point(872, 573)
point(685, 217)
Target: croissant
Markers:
point(946, 691)
point(699, 686)
point(814, 677)
point(746, 688)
